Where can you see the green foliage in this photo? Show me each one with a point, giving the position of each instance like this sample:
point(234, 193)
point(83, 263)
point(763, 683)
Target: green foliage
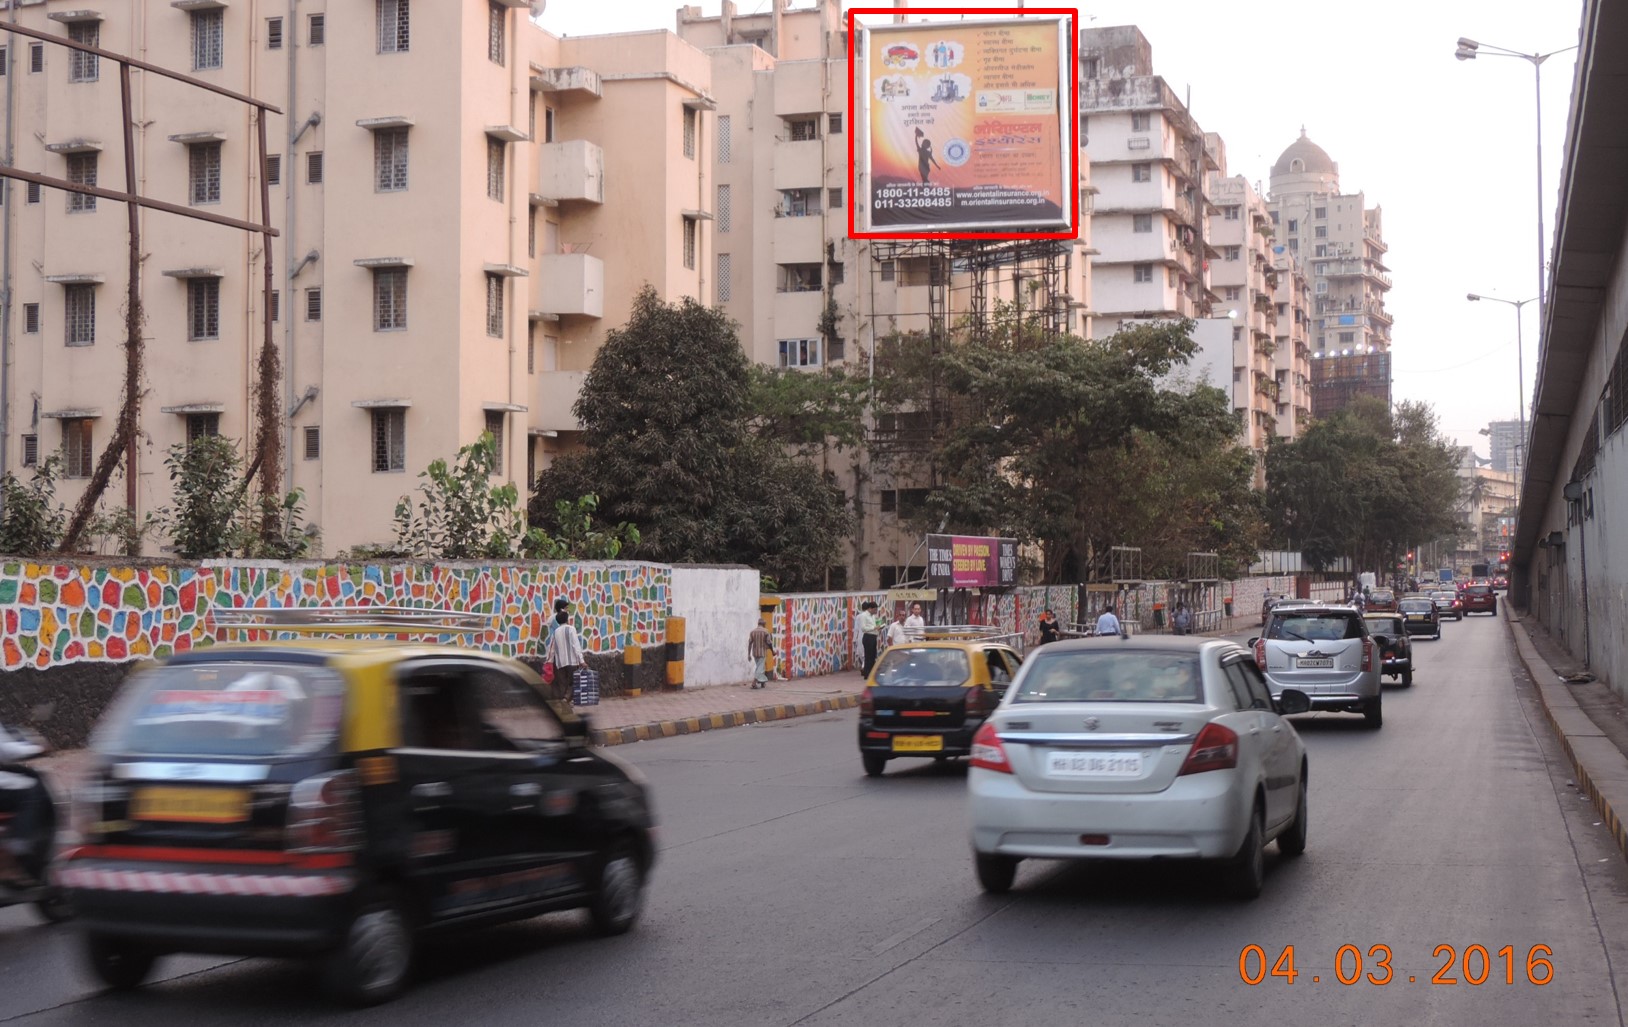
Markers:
point(462, 515)
point(208, 497)
point(808, 410)
point(291, 538)
point(667, 419)
point(578, 538)
point(122, 530)
point(31, 520)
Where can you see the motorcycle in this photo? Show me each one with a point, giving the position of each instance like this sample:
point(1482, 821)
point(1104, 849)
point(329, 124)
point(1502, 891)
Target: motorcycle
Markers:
point(28, 823)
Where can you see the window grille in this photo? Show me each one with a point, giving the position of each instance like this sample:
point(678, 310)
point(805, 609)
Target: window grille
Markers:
point(78, 456)
point(81, 171)
point(274, 33)
point(389, 299)
point(276, 305)
point(204, 171)
point(494, 426)
point(689, 242)
point(496, 30)
point(31, 318)
point(723, 139)
point(723, 209)
point(313, 442)
point(199, 425)
point(33, 193)
point(31, 450)
point(319, 30)
point(834, 199)
point(494, 168)
point(390, 160)
point(494, 306)
point(689, 132)
point(313, 304)
point(203, 308)
point(36, 58)
point(313, 168)
point(531, 349)
point(84, 67)
point(274, 169)
point(721, 285)
point(208, 38)
point(834, 124)
point(394, 34)
point(389, 440)
point(79, 314)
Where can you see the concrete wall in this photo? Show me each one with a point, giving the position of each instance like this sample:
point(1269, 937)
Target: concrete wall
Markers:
point(720, 607)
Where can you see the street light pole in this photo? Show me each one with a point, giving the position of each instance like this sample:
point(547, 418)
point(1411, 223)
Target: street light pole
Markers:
point(1520, 366)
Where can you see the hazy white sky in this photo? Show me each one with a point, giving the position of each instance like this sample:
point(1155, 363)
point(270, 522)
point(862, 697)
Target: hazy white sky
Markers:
point(1446, 147)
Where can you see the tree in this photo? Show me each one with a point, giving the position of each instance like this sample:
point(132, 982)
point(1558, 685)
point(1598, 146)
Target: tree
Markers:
point(208, 497)
point(461, 514)
point(669, 446)
point(31, 519)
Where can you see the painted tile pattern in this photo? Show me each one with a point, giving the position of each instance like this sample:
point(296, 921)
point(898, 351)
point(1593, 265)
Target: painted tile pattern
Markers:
point(814, 634)
point(56, 614)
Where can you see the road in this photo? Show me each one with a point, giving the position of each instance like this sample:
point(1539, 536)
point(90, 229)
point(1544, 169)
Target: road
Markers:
point(793, 890)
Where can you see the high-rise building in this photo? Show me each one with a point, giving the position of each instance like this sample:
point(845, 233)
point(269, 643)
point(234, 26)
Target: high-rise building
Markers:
point(1506, 443)
point(1340, 240)
point(1246, 278)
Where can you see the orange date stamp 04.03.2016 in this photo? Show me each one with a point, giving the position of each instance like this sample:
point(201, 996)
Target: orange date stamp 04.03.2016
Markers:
point(1351, 965)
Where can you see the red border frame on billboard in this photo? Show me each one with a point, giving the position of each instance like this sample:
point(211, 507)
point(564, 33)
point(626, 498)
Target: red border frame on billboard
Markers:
point(1071, 15)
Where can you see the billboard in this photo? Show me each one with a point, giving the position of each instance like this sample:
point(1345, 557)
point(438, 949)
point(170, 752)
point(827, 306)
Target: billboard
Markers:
point(971, 561)
point(964, 127)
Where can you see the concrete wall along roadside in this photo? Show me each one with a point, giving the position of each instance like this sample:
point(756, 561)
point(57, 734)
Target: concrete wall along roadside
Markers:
point(719, 607)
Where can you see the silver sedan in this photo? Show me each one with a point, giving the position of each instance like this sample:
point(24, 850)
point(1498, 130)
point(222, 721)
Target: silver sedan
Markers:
point(1141, 748)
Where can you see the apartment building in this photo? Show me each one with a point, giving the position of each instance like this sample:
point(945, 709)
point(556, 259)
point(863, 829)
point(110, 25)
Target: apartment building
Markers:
point(1340, 239)
point(1291, 358)
point(1246, 279)
point(466, 204)
point(807, 296)
point(1150, 165)
point(1506, 441)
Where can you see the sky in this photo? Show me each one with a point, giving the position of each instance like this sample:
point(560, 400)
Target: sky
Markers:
point(1447, 148)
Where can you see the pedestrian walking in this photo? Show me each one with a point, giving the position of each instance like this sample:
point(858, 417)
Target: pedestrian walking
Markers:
point(759, 648)
point(1183, 620)
point(1108, 623)
point(897, 633)
point(1049, 631)
point(914, 625)
point(866, 626)
point(564, 650)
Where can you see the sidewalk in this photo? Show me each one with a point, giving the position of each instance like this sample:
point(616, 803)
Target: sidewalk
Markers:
point(1589, 718)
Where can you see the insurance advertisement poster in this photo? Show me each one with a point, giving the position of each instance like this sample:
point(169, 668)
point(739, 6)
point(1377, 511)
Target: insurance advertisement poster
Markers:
point(968, 126)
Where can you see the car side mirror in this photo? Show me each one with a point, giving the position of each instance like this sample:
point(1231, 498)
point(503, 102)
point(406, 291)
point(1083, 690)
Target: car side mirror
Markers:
point(1293, 701)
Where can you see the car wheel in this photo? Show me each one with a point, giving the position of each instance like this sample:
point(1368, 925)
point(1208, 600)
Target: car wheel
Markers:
point(118, 963)
point(372, 961)
point(875, 763)
point(1245, 872)
point(1292, 842)
point(1407, 678)
point(1373, 714)
point(995, 872)
point(53, 907)
point(620, 894)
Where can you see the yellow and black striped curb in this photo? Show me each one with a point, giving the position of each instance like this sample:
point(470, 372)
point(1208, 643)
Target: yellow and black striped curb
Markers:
point(715, 721)
point(1574, 729)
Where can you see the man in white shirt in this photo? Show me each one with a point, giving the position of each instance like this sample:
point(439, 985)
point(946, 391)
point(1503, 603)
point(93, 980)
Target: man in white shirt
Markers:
point(914, 625)
point(865, 626)
point(897, 634)
point(1108, 624)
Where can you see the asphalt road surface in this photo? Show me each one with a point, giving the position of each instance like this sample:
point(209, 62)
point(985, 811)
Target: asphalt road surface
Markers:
point(793, 890)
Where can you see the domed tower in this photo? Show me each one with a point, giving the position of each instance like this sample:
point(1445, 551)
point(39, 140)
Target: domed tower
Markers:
point(1304, 167)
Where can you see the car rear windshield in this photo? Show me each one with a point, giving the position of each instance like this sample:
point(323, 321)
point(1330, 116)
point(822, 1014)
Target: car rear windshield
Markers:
point(225, 709)
point(1119, 675)
point(1392, 624)
point(1477, 590)
point(923, 667)
point(1418, 605)
point(1383, 595)
point(1314, 627)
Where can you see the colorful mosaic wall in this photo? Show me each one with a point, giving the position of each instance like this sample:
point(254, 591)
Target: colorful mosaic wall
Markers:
point(59, 614)
point(814, 634)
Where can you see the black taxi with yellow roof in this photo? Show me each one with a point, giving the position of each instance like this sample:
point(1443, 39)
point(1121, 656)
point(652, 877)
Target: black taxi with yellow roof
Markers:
point(340, 797)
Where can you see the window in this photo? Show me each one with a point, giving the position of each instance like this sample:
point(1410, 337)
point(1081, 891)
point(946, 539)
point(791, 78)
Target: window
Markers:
point(1321, 251)
point(689, 133)
point(1237, 374)
point(494, 428)
point(797, 278)
point(274, 169)
point(389, 440)
point(531, 462)
point(548, 124)
point(798, 203)
point(1141, 172)
point(833, 199)
point(834, 124)
point(494, 168)
point(203, 308)
point(36, 58)
point(1091, 67)
point(1294, 225)
point(1321, 231)
point(494, 306)
point(802, 129)
point(531, 347)
point(1322, 287)
point(1170, 277)
point(496, 30)
point(199, 425)
point(274, 33)
point(723, 139)
point(394, 34)
point(1230, 213)
point(31, 318)
point(722, 211)
point(531, 233)
point(1320, 212)
point(276, 305)
point(207, 38)
point(1141, 222)
point(721, 284)
point(32, 194)
point(531, 113)
point(689, 242)
point(313, 304)
point(1142, 272)
point(313, 442)
point(81, 171)
point(313, 168)
point(317, 31)
point(389, 299)
point(31, 450)
point(1348, 337)
point(551, 352)
point(79, 314)
point(1234, 292)
point(1294, 245)
point(1237, 333)
point(203, 172)
point(78, 457)
point(887, 271)
point(5, 61)
point(390, 160)
point(1232, 252)
point(1140, 122)
point(82, 67)
point(835, 272)
point(799, 352)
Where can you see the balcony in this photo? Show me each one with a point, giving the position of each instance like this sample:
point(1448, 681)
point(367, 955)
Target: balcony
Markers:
point(571, 172)
point(798, 163)
point(576, 82)
point(798, 240)
point(569, 284)
point(552, 397)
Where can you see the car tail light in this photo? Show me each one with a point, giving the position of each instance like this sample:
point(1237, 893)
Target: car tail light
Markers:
point(325, 814)
point(1260, 653)
point(1368, 648)
point(867, 703)
point(1215, 748)
point(987, 750)
point(977, 702)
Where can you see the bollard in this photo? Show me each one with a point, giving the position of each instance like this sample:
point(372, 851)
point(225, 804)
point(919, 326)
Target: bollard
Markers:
point(632, 657)
point(675, 652)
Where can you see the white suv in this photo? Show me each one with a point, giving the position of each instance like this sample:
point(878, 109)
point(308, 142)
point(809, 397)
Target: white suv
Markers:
point(1325, 651)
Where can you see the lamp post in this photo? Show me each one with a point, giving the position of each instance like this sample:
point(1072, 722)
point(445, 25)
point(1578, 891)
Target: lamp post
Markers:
point(1520, 365)
point(1469, 50)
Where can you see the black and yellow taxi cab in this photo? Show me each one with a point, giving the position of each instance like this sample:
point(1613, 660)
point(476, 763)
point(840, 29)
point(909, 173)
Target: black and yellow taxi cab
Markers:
point(340, 798)
point(929, 698)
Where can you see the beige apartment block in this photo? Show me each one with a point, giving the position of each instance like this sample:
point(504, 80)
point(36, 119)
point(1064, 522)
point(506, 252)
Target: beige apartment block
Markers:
point(467, 203)
point(1340, 240)
point(1292, 353)
point(1246, 279)
point(1150, 166)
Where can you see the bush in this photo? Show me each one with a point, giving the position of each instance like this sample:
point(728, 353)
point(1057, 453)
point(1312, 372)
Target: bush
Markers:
point(31, 520)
